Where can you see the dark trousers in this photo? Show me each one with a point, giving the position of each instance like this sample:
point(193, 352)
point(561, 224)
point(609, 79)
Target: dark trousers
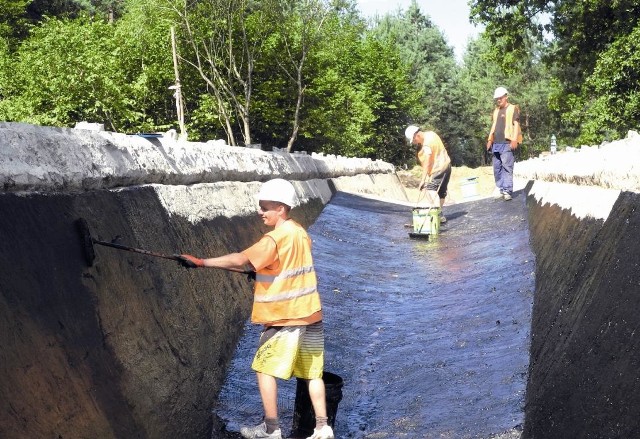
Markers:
point(503, 162)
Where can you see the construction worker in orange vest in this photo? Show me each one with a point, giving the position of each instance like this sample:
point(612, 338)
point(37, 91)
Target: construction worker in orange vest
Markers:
point(435, 163)
point(286, 301)
point(503, 140)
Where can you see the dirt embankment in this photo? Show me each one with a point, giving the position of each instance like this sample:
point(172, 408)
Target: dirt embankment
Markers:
point(458, 185)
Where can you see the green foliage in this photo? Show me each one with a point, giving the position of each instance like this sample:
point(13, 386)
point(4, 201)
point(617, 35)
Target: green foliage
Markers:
point(583, 30)
point(356, 90)
point(423, 48)
point(103, 9)
point(297, 32)
point(13, 20)
point(510, 27)
point(358, 100)
point(337, 117)
point(224, 42)
point(610, 103)
point(434, 78)
point(5, 68)
point(391, 99)
point(580, 36)
point(143, 35)
point(205, 120)
point(73, 70)
point(61, 76)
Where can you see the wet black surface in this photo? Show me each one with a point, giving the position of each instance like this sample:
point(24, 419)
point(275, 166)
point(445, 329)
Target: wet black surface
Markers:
point(431, 337)
point(583, 379)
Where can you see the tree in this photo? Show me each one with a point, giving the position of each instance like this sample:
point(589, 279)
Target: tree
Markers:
point(298, 31)
point(610, 98)
point(578, 35)
point(61, 75)
point(88, 69)
point(433, 74)
point(13, 21)
point(359, 96)
point(142, 35)
point(225, 38)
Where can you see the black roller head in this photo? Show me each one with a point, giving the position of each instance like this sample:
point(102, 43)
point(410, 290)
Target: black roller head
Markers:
point(86, 241)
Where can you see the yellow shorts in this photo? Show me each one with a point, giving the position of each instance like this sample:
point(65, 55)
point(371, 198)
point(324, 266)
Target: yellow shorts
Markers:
point(287, 351)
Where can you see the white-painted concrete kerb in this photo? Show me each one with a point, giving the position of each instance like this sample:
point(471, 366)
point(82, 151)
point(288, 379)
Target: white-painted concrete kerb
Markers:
point(45, 159)
point(588, 180)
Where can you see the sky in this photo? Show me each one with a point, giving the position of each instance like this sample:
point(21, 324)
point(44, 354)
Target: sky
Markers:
point(451, 16)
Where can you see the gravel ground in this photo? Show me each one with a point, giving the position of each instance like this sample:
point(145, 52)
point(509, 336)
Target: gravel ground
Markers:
point(464, 182)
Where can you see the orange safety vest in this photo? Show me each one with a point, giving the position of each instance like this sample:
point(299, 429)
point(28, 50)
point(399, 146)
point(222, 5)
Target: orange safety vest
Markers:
point(439, 158)
point(289, 291)
point(509, 127)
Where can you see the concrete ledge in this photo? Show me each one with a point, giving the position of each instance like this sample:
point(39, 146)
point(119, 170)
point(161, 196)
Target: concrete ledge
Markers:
point(582, 201)
point(615, 165)
point(46, 159)
point(206, 201)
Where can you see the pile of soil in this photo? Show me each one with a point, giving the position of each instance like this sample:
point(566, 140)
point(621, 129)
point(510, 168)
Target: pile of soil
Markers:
point(483, 176)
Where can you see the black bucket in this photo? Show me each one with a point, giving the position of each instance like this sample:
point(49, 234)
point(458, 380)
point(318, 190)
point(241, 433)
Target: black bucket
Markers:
point(304, 418)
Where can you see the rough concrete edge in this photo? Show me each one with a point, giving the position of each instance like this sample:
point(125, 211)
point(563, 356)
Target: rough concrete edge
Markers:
point(612, 165)
point(49, 159)
point(583, 201)
point(205, 201)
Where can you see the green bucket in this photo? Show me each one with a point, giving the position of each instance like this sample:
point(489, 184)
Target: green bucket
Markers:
point(426, 220)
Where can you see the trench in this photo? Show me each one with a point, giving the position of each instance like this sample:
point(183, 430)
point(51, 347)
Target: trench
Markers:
point(434, 339)
point(430, 337)
point(585, 352)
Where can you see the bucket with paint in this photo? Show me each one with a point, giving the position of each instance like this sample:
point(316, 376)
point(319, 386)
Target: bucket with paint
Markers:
point(426, 220)
point(304, 418)
point(469, 187)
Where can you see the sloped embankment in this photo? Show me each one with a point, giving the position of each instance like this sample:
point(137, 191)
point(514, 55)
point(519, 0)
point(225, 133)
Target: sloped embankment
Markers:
point(132, 346)
point(585, 351)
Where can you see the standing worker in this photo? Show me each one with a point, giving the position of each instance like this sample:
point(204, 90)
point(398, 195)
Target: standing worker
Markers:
point(286, 301)
point(503, 140)
point(434, 160)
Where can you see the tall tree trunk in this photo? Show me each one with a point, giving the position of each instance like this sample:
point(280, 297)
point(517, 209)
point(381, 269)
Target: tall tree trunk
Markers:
point(296, 116)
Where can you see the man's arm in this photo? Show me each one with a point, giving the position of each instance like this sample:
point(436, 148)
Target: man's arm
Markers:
point(427, 167)
point(232, 260)
point(516, 128)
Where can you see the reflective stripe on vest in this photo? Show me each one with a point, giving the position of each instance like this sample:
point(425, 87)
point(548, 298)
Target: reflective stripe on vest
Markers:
point(283, 275)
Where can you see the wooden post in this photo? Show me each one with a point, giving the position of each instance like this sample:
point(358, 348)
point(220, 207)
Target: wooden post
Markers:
point(177, 88)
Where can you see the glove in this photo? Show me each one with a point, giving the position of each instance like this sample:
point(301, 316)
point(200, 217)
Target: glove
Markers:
point(189, 261)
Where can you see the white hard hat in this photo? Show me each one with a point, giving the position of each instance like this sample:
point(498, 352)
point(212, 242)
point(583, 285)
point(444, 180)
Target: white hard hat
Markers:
point(500, 91)
point(278, 190)
point(410, 132)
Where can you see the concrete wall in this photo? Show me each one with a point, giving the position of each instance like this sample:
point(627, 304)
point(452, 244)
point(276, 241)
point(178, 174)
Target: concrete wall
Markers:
point(129, 345)
point(584, 219)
